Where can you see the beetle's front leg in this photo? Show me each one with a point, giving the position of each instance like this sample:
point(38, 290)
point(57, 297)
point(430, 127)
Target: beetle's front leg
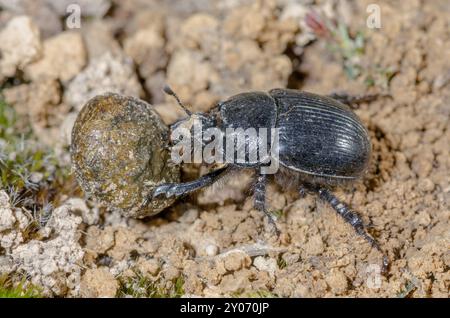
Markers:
point(260, 201)
point(353, 101)
point(179, 189)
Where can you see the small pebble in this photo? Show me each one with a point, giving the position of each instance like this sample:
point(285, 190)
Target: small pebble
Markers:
point(426, 185)
point(267, 265)
point(189, 216)
point(211, 250)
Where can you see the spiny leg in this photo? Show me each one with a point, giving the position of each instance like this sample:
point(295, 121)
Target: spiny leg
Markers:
point(353, 100)
point(349, 216)
point(178, 189)
point(260, 200)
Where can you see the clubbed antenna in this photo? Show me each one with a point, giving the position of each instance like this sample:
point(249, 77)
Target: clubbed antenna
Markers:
point(170, 92)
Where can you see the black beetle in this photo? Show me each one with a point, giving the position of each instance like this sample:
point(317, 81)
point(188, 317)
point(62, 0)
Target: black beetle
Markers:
point(322, 143)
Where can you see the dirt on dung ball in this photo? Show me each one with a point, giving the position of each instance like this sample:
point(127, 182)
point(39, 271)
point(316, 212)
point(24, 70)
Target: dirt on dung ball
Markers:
point(214, 243)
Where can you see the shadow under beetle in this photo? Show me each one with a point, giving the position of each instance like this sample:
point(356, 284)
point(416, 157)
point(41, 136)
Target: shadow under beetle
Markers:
point(322, 143)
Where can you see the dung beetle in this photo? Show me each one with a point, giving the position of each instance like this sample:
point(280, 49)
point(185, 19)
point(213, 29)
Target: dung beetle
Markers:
point(322, 143)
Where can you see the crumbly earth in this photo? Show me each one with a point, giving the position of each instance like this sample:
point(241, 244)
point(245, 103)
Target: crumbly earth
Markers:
point(214, 240)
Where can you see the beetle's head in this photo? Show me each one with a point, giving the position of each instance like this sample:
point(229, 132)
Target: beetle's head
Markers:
point(194, 123)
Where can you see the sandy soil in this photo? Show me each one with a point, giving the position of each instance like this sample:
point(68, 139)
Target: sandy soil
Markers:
point(214, 242)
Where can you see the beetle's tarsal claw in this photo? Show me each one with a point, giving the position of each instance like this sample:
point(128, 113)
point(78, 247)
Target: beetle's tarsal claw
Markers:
point(373, 243)
point(272, 222)
point(260, 202)
point(349, 216)
point(276, 230)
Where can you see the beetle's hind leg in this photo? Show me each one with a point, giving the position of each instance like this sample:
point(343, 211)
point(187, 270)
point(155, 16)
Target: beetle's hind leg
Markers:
point(260, 201)
point(349, 216)
point(353, 101)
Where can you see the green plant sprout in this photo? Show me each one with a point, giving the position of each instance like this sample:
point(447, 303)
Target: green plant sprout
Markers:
point(281, 262)
point(349, 50)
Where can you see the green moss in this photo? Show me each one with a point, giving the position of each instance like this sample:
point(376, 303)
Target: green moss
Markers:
point(179, 287)
point(31, 173)
point(22, 289)
point(140, 286)
point(7, 119)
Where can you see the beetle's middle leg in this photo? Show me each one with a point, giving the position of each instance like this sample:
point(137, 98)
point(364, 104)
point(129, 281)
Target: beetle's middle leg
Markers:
point(260, 200)
point(350, 217)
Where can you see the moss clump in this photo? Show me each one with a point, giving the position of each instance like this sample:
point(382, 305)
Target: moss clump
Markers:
point(7, 119)
point(32, 174)
point(140, 286)
point(22, 289)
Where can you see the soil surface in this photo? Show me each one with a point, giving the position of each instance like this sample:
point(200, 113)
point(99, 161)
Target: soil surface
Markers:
point(214, 243)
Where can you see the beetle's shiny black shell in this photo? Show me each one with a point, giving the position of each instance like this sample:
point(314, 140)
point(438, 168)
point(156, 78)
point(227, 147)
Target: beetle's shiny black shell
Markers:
point(320, 136)
point(236, 113)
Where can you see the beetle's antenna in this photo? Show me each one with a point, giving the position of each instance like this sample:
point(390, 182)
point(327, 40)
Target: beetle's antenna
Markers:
point(170, 92)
